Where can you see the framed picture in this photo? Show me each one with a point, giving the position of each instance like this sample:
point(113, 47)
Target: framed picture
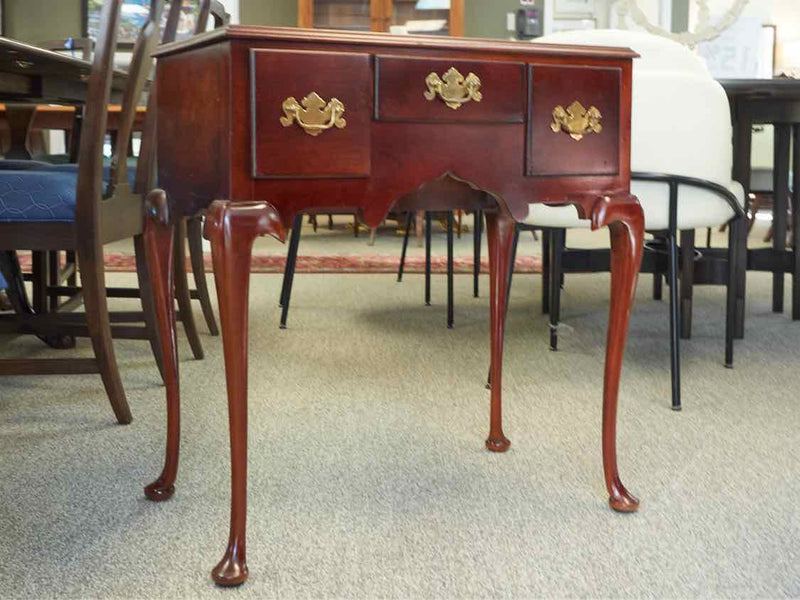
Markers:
point(134, 15)
point(573, 24)
point(574, 7)
point(766, 66)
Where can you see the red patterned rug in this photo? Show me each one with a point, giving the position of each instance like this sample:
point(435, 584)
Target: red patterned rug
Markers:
point(370, 263)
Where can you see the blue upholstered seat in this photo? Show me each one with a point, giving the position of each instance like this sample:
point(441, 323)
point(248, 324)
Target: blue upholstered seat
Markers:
point(33, 195)
point(44, 193)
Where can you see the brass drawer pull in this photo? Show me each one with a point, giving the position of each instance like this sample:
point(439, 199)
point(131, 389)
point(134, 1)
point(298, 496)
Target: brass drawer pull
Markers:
point(453, 88)
point(576, 120)
point(313, 114)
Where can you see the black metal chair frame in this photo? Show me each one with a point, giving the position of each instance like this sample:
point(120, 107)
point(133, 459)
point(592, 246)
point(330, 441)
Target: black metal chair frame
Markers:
point(294, 242)
point(559, 260)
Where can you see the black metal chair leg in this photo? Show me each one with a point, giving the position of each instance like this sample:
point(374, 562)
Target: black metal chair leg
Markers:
point(674, 322)
point(545, 271)
point(674, 303)
point(427, 259)
point(796, 224)
point(556, 277)
point(402, 266)
point(730, 304)
point(288, 272)
point(477, 232)
point(450, 269)
point(513, 262)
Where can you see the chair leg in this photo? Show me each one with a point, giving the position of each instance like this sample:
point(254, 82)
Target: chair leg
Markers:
point(288, 271)
point(556, 274)
point(194, 231)
point(427, 259)
point(158, 245)
point(39, 274)
point(674, 304)
point(545, 271)
point(147, 298)
point(658, 286)
point(687, 282)
point(402, 265)
point(477, 233)
point(450, 269)
point(674, 321)
point(53, 266)
point(18, 297)
point(72, 259)
point(90, 257)
point(512, 263)
point(796, 225)
point(730, 289)
point(182, 290)
point(290, 256)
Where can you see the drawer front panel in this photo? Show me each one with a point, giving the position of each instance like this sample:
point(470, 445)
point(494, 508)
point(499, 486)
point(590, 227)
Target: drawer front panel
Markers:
point(311, 114)
point(404, 92)
point(582, 104)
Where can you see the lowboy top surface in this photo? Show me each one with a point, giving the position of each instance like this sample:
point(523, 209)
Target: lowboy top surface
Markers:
point(284, 34)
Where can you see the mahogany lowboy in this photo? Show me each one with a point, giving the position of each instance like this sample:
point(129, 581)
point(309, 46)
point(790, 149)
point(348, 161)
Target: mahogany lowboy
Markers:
point(389, 122)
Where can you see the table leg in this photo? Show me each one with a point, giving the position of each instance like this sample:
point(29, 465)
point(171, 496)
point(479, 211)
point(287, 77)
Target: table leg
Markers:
point(796, 224)
point(231, 229)
point(158, 239)
point(625, 220)
point(780, 188)
point(500, 230)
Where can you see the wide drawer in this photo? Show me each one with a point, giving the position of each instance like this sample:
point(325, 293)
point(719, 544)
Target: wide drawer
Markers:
point(424, 90)
point(311, 113)
point(573, 125)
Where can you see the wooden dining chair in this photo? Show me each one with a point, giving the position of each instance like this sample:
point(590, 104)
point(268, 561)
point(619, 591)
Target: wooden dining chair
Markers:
point(54, 210)
point(57, 278)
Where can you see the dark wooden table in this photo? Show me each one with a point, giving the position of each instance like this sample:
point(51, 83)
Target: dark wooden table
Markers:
point(775, 102)
point(30, 76)
point(312, 120)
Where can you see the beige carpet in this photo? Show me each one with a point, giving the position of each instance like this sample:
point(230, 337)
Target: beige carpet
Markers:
point(368, 476)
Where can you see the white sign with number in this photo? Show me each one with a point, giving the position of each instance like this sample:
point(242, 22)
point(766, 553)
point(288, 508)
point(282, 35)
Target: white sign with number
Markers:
point(737, 52)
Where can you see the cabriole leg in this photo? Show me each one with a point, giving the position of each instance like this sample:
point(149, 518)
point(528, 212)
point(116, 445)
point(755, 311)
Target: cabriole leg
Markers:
point(158, 240)
point(625, 220)
point(232, 228)
point(500, 230)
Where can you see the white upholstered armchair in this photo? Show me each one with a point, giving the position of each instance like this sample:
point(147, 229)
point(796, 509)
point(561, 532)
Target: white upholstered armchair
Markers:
point(681, 155)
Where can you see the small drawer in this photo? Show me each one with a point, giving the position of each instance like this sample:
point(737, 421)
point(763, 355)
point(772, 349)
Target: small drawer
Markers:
point(573, 127)
point(311, 114)
point(424, 90)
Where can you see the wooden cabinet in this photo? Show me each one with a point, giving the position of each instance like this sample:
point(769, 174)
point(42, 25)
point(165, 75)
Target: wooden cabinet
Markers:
point(443, 17)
